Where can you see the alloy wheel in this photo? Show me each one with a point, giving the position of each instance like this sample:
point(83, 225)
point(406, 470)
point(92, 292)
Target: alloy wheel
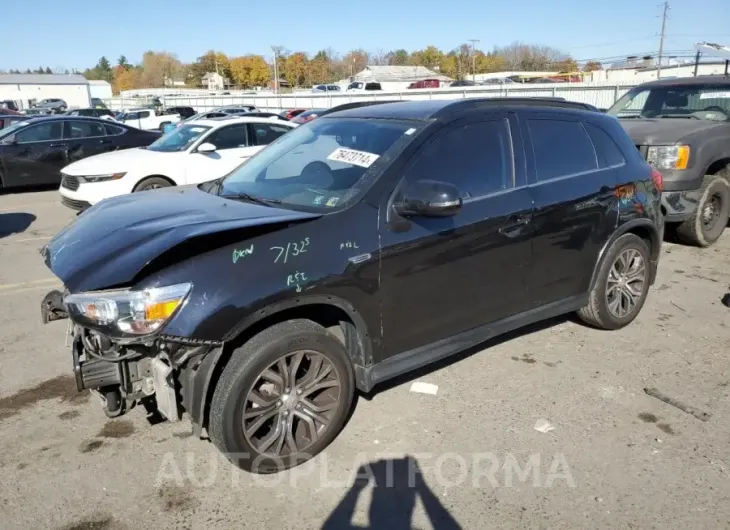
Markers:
point(625, 283)
point(291, 404)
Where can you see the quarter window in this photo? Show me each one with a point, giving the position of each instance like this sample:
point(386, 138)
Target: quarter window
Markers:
point(113, 130)
point(476, 158)
point(144, 114)
point(609, 154)
point(561, 148)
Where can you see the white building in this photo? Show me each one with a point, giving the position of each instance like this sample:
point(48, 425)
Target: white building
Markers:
point(26, 88)
point(100, 89)
point(214, 81)
point(395, 78)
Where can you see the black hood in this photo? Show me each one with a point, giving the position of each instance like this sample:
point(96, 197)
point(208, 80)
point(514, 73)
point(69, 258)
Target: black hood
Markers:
point(109, 244)
point(664, 131)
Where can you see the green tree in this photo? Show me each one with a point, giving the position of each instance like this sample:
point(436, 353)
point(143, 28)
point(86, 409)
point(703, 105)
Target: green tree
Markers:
point(430, 57)
point(122, 61)
point(397, 57)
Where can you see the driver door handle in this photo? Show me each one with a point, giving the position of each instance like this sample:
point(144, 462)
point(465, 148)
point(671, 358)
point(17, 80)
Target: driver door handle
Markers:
point(515, 224)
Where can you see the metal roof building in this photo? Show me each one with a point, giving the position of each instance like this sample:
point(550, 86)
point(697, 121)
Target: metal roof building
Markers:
point(26, 89)
point(383, 74)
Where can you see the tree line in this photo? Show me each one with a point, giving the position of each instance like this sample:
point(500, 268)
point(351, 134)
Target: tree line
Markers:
point(298, 68)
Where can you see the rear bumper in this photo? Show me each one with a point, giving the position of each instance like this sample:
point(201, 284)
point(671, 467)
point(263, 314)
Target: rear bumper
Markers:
point(679, 206)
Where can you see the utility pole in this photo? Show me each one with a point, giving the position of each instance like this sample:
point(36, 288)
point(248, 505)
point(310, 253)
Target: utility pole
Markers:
point(473, 59)
point(277, 51)
point(661, 40)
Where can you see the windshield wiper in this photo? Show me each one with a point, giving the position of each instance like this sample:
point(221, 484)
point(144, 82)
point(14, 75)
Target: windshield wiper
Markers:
point(251, 198)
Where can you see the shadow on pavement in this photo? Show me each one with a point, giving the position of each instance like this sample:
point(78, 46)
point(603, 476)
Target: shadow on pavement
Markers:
point(20, 190)
point(397, 485)
point(15, 223)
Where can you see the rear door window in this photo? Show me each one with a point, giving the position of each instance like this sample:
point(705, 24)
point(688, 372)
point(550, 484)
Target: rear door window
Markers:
point(85, 129)
point(561, 148)
point(113, 130)
point(265, 133)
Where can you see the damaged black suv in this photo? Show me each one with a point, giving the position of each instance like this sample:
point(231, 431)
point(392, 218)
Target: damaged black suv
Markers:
point(360, 246)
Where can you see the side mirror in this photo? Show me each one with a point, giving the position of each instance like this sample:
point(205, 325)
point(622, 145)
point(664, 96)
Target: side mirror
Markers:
point(206, 148)
point(430, 198)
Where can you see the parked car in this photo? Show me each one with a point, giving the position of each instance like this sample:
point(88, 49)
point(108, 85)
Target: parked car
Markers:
point(271, 115)
point(326, 88)
point(360, 86)
point(425, 83)
point(260, 302)
point(682, 128)
point(54, 104)
point(194, 153)
point(33, 151)
point(97, 103)
point(291, 113)
point(307, 116)
point(498, 81)
point(237, 109)
point(462, 83)
point(202, 116)
point(147, 119)
point(183, 112)
point(104, 114)
point(9, 104)
point(35, 111)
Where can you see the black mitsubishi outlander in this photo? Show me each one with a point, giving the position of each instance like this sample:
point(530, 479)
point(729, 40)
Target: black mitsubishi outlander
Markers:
point(355, 248)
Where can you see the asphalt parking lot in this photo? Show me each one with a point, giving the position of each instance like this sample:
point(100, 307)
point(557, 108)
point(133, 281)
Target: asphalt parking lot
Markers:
point(468, 457)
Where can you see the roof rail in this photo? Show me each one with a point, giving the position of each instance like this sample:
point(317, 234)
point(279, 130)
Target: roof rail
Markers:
point(475, 103)
point(355, 105)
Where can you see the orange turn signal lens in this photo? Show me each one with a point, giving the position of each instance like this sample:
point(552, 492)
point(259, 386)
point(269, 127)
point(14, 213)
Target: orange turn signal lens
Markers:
point(160, 310)
point(682, 157)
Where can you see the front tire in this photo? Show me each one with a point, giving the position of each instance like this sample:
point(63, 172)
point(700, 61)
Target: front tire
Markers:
point(710, 219)
point(282, 398)
point(622, 285)
point(152, 183)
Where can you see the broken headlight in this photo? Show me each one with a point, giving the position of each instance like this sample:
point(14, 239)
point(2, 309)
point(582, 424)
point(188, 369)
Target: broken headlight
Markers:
point(133, 312)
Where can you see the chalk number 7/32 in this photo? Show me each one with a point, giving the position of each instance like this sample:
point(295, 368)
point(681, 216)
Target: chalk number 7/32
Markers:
point(291, 249)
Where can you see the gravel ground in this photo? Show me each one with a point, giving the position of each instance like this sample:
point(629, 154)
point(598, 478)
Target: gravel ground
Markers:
point(468, 457)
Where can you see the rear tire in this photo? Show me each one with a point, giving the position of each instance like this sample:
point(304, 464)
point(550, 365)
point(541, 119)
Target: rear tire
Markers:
point(297, 420)
point(710, 219)
point(621, 286)
point(152, 183)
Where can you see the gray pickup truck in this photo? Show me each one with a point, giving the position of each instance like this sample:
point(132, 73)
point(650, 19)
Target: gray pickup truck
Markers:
point(682, 127)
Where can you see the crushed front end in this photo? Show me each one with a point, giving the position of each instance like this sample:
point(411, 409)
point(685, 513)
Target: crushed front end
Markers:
point(119, 353)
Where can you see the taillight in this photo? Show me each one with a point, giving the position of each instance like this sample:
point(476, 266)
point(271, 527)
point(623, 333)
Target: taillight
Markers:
point(658, 179)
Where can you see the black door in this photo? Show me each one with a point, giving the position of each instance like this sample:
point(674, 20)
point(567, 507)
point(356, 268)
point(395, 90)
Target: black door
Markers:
point(34, 155)
point(574, 200)
point(86, 138)
point(442, 276)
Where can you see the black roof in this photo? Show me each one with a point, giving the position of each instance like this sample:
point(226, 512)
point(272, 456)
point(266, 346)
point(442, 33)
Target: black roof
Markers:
point(433, 109)
point(700, 80)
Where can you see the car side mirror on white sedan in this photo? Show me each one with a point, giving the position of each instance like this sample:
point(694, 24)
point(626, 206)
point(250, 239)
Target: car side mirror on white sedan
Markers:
point(206, 148)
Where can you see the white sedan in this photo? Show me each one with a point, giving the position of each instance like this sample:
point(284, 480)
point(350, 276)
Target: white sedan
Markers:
point(197, 152)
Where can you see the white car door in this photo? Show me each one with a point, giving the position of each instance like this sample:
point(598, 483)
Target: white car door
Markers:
point(231, 150)
point(146, 120)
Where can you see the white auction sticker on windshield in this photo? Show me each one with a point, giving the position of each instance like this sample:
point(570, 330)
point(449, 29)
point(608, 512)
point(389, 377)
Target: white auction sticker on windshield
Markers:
point(354, 157)
point(713, 95)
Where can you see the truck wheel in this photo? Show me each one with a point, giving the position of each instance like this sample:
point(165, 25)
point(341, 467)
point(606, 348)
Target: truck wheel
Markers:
point(282, 398)
point(152, 183)
point(713, 209)
point(622, 285)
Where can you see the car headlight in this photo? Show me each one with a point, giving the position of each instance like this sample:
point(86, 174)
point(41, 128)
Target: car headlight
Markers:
point(668, 156)
point(101, 178)
point(134, 312)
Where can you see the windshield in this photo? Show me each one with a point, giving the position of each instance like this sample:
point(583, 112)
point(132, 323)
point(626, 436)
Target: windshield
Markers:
point(318, 166)
point(178, 139)
point(704, 102)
